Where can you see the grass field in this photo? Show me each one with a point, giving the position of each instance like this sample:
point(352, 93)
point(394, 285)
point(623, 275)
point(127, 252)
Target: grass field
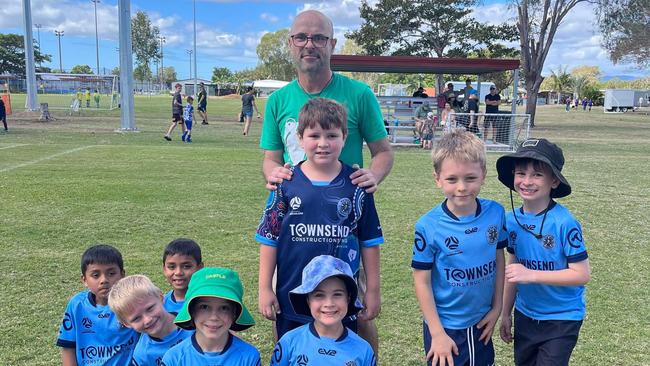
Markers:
point(70, 183)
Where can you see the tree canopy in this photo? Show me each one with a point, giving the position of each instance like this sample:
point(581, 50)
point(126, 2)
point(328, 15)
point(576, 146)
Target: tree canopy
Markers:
point(81, 69)
point(625, 29)
point(144, 37)
point(12, 54)
point(275, 57)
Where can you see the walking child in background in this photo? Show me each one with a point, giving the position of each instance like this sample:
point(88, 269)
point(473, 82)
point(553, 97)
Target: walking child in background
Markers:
point(87, 96)
point(248, 104)
point(188, 118)
point(3, 114)
point(79, 97)
point(203, 104)
point(584, 103)
point(590, 104)
point(458, 263)
point(429, 130)
point(567, 102)
point(177, 111)
point(547, 262)
point(181, 258)
point(97, 97)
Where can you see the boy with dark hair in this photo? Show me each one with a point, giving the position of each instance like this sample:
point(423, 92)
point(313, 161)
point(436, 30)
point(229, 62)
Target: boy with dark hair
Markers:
point(319, 211)
point(548, 265)
point(90, 331)
point(3, 113)
point(137, 302)
point(177, 111)
point(214, 307)
point(182, 257)
point(328, 293)
point(188, 117)
point(458, 261)
point(203, 104)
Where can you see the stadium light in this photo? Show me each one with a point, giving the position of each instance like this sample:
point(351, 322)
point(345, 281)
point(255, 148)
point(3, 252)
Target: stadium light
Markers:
point(59, 34)
point(96, 35)
point(38, 32)
point(189, 52)
point(162, 65)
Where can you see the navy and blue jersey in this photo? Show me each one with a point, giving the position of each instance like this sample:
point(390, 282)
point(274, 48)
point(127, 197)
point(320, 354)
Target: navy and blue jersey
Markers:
point(461, 254)
point(95, 333)
point(171, 304)
point(189, 353)
point(561, 243)
point(188, 112)
point(149, 351)
point(305, 219)
point(303, 346)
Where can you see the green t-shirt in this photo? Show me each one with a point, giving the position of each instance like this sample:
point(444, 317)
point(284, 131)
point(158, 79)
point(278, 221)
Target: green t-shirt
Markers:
point(365, 121)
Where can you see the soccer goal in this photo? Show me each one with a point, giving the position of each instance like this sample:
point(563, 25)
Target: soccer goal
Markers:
point(500, 131)
point(78, 91)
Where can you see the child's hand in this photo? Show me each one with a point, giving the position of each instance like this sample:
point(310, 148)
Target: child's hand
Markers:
point(487, 324)
point(517, 273)
point(371, 306)
point(441, 350)
point(268, 304)
point(505, 330)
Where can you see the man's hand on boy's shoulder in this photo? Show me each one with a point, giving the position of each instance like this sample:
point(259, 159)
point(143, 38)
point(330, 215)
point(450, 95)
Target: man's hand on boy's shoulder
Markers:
point(277, 176)
point(364, 178)
point(487, 325)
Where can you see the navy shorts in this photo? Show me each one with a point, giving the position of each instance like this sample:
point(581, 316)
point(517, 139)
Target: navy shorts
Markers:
point(176, 117)
point(201, 107)
point(544, 342)
point(283, 325)
point(471, 351)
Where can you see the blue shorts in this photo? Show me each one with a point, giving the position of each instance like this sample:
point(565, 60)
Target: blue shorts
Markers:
point(471, 351)
point(247, 114)
point(283, 325)
point(188, 124)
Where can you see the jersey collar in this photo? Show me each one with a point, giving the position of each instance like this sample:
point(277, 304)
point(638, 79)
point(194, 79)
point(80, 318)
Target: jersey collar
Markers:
point(451, 214)
point(550, 206)
point(313, 331)
point(196, 345)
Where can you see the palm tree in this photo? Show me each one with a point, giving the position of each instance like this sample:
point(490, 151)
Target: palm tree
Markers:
point(579, 84)
point(561, 80)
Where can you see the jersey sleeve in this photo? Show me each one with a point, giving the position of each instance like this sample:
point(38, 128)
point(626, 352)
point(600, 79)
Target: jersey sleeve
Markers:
point(370, 233)
point(372, 123)
point(503, 233)
point(281, 355)
point(67, 332)
point(271, 138)
point(270, 224)
point(573, 242)
point(423, 252)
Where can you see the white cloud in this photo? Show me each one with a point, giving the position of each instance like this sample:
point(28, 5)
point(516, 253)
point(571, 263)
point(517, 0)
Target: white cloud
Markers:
point(269, 17)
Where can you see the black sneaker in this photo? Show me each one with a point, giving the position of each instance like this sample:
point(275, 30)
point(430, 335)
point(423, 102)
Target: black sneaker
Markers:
point(168, 138)
point(204, 123)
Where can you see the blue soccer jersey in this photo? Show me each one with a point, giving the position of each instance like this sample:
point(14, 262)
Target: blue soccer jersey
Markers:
point(561, 243)
point(96, 334)
point(149, 351)
point(189, 353)
point(188, 112)
point(171, 304)
point(303, 346)
point(461, 253)
point(303, 219)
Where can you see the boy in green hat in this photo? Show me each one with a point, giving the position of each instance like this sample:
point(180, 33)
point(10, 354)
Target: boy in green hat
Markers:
point(213, 306)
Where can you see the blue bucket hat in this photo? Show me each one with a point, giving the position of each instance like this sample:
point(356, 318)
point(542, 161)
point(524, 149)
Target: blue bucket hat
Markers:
point(318, 270)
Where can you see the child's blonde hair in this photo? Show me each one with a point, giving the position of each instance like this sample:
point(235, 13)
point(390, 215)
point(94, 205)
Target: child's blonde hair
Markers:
point(128, 291)
point(459, 145)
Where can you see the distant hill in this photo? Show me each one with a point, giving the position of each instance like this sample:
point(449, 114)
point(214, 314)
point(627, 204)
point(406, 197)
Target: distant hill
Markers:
point(621, 77)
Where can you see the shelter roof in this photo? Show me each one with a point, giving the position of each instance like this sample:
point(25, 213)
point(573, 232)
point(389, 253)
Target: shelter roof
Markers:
point(420, 65)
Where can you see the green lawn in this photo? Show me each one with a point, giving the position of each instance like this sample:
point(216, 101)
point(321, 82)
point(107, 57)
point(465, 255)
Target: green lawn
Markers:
point(74, 182)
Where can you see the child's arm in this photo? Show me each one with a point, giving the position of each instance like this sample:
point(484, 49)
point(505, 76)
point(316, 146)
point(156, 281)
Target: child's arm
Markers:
point(441, 344)
point(69, 357)
point(509, 291)
point(577, 274)
point(268, 302)
point(372, 298)
point(490, 319)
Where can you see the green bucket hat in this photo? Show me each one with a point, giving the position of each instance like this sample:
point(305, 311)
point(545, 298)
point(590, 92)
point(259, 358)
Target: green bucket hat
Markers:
point(216, 282)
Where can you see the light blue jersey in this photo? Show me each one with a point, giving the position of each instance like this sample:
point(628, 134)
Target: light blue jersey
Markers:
point(561, 243)
point(461, 253)
point(189, 353)
point(95, 333)
point(171, 304)
point(303, 346)
point(149, 351)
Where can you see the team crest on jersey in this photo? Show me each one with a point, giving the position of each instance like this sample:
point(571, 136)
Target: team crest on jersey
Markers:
point(492, 234)
point(352, 255)
point(574, 237)
point(302, 360)
point(87, 323)
point(452, 242)
point(548, 241)
point(513, 237)
point(295, 203)
point(344, 207)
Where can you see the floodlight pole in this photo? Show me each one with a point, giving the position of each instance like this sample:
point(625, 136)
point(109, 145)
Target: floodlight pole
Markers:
point(31, 102)
point(189, 52)
point(162, 65)
point(59, 34)
point(196, 55)
point(38, 32)
point(126, 66)
point(96, 34)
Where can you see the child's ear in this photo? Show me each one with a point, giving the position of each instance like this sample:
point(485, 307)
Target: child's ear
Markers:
point(200, 265)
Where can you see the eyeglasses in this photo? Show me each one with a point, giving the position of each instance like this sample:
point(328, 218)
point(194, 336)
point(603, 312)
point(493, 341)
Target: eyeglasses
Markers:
point(301, 39)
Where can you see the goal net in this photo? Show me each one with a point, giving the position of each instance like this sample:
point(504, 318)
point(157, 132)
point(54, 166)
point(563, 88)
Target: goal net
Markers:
point(87, 92)
point(500, 131)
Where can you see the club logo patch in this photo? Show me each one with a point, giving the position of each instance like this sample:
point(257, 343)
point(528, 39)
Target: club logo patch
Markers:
point(548, 241)
point(344, 207)
point(295, 203)
point(492, 234)
point(574, 237)
point(451, 242)
point(302, 360)
point(87, 323)
point(419, 243)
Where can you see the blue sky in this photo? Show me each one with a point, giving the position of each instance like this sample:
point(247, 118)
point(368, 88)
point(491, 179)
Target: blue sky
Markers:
point(229, 31)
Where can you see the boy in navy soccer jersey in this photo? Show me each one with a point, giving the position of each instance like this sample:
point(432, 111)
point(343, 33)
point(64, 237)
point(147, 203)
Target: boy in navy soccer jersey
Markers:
point(458, 261)
point(319, 211)
point(328, 293)
point(188, 117)
point(547, 266)
point(90, 332)
point(214, 307)
point(137, 302)
point(182, 257)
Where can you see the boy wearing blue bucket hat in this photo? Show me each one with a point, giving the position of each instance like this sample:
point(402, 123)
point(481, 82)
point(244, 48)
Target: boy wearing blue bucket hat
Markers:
point(328, 293)
point(547, 267)
point(213, 306)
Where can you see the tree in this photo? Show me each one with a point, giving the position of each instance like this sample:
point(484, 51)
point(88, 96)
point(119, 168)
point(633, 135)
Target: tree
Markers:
point(222, 75)
point(145, 44)
point(275, 56)
point(560, 80)
point(81, 69)
point(592, 73)
point(169, 75)
point(624, 25)
point(537, 23)
point(579, 83)
point(116, 71)
point(350, 47)
point(12, 54)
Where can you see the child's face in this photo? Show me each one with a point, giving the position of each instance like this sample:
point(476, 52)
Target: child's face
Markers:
point(328, 303)
point(99, 278)
point(178, 270)
point(148, 316)
point(461, 183)
point(212, 317)
point(322, 146)
point(534, 185)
